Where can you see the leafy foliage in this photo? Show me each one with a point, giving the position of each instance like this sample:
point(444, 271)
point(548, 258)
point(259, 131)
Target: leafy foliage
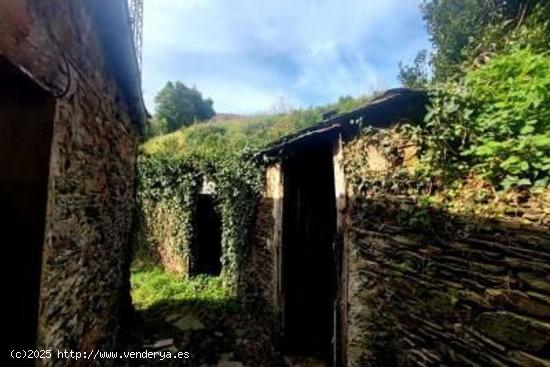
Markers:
point(415, 76)
point(488, 112)
point(172, 168)
point(178, 105)
point(531, 29)
point(496, 121)
point(510, 137)
point(484, 146)
point(163, 180)
point(459, 28)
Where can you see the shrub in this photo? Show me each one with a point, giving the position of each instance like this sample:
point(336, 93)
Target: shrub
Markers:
point(495, 122)
point(510, 137)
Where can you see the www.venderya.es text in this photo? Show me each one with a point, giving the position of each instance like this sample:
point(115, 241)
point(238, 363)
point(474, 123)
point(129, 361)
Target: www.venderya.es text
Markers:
point(96, 354)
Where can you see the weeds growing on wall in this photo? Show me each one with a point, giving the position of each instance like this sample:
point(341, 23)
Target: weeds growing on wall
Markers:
point(483, 147)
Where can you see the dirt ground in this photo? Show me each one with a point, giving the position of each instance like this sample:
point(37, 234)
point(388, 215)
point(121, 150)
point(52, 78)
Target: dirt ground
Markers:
point(224, 338)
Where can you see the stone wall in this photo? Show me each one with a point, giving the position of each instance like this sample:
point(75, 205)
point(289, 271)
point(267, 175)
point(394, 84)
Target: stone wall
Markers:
point(434, 298)
point(85, 280)
point(262, 272)
point(463, 290)
point(460, 289)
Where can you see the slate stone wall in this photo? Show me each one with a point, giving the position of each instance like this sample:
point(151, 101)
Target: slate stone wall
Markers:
point(85, 280)
point(464, 291)
point(428, 299)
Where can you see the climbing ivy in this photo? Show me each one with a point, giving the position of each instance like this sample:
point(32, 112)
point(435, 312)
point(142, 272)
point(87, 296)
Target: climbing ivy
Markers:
point(170, 179)
point(164, 180)
point(239, 183)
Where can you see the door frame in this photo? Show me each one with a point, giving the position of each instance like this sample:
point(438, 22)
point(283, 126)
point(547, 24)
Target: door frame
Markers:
point(275, 190)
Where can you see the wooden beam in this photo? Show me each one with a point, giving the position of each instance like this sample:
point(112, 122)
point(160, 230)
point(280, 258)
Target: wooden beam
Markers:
point(275, 193)
point(341, 252)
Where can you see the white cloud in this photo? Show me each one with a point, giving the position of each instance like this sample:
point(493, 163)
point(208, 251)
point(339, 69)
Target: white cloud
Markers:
point(246, 54)
point(230, 95)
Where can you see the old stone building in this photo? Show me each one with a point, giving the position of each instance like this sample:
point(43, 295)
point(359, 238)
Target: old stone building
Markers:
point(351, 285)
point(70, 112)
point(300, 227)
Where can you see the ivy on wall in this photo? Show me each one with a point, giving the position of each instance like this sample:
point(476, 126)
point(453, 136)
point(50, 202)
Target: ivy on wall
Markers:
point(176, 181)
point(238, 185)
point(172, 185)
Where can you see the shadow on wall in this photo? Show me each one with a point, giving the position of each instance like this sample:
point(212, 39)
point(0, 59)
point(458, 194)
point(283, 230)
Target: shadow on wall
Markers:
point(430, 287)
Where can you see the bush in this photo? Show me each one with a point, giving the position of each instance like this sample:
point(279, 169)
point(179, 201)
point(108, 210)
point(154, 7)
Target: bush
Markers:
point(510, 137)
point(495, 122)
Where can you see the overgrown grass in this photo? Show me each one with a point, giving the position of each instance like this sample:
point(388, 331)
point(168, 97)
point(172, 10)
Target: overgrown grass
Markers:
point(153, 288)
point(225, 138)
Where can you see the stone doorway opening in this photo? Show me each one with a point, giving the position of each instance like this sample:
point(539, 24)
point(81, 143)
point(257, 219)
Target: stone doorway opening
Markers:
point(208, 247)
point(309, 278)
point(26, 127)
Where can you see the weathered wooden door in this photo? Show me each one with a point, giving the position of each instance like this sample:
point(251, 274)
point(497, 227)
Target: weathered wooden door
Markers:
point(308, 258)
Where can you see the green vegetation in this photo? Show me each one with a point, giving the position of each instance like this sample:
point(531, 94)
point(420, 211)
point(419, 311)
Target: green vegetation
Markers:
point(222, 139)
point(463, 30)
point(484, 146)
point(177, 106)
point(510, 137)
point(216, 140)
point(490, 98)
point(494, 123)
point(153, 287)
point(415, 76)
point(172, 168)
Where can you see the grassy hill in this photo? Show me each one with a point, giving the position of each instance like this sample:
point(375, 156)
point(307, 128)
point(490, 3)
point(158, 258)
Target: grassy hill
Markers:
point(223, 137)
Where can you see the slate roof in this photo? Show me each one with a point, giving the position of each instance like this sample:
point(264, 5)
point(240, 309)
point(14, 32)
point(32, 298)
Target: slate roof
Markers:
point(392, 106)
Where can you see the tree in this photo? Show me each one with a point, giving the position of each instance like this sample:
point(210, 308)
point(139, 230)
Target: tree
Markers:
point(415, 76)
point(456, 27)
point(158, 126)
point(178, 105)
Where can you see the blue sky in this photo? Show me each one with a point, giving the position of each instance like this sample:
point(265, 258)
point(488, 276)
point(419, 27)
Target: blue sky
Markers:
point(251, 56)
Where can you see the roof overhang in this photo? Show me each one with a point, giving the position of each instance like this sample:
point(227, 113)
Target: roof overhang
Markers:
point(112, 20)
point(391, 107)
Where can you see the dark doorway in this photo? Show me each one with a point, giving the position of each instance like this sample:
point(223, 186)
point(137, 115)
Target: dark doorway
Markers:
point(308, 264)
point(209, 238)
point(26, 123)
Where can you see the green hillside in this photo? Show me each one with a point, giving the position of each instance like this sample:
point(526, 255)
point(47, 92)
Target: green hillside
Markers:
point(225, 138)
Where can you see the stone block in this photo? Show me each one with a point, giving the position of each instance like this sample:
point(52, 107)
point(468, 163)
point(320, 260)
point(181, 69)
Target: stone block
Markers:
point(516, 331)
